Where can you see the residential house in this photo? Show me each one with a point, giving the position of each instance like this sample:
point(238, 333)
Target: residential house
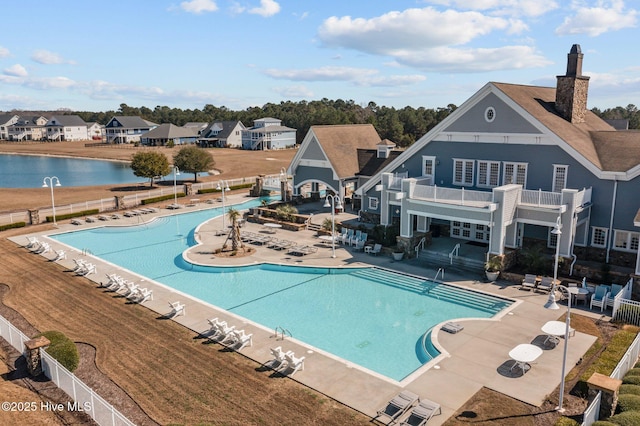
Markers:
point(338, 159)
point(95, 131)
point(512, 162)
point(28, 128)
point(222, 134)
point(6, 120)
point(66, 128)
point(167, 132)
point(127, 129)
point(268, 133)
point(198, 126)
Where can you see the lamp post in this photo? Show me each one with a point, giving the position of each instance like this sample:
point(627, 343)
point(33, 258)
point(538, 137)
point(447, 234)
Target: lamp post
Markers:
point(551, 304)
point(224, 187)
point(51, 179)
point(335, 203)
point(176, 173)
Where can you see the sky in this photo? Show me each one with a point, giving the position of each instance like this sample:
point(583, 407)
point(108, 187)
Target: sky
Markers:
point(93, 56)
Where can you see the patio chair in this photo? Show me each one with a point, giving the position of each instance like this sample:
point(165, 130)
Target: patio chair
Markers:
point(76, 222)
point(421, 413)
point(355, 238)
point(33, 241)
point(397, 406)
point(60, 254)
point(529, 281)
point(177, 308)
point(279, 359)
point(564, 292)
point(546, 284)
point(294, 363)
point(376, 249)
point(599, 298)
point(141, 295)
point(615, 289)
point(103, 217)
point(241, 339)
point(90, 219)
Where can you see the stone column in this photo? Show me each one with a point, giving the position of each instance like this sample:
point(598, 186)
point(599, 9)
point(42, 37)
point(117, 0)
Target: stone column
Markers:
point(119, 202)
point(609, 387)
point(34, 216)
point(256, 190)
point(188, 189)
point(33, 347)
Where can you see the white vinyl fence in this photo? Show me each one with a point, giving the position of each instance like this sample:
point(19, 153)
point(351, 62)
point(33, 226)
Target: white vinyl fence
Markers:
point(133, 200)
point(85, 399)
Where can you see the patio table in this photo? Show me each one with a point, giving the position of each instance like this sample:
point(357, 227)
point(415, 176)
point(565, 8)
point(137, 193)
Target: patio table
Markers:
point(553, 330)
point(523, 354)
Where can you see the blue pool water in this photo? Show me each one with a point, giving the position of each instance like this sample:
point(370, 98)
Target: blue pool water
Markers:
point(372, 317)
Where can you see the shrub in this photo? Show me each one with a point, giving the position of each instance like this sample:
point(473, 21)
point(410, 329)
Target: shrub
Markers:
point(231, 188)
point(628, 402)
point(13, 225)
point(72, 215)
point(62, 349)
point(285, 212)
point(633, 372)
point(603, 423)
point(161, 198)
point(631, 380)
point(629, 389)
point(628, 418)
point(566, 421)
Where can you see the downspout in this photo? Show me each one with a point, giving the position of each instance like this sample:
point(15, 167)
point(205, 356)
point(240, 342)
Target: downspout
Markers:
point(613, 210)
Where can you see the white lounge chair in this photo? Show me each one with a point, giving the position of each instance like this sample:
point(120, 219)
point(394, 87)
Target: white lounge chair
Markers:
point(599, 298)
point(90, 219)
point(33, 241)
point(76, 222)
point(546, 284)
point(141, 295)
point(279, 360)
point(177, 308)
point(421, 413)
point(239, 339)
point(397, 406)
point(87, 269)
point(376, 249)
point(224, 333)
point(60, 254)
point(43, 248)
point(529, 281)
point(116, 216)
point(294, 364)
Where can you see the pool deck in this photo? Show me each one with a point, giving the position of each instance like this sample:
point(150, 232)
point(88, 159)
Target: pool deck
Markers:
point(475, 357)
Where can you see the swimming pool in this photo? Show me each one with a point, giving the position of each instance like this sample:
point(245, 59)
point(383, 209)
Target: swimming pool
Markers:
point(371, 317)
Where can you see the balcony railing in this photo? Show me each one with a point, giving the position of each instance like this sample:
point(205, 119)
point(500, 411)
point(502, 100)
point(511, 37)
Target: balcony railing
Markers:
point(460, 197)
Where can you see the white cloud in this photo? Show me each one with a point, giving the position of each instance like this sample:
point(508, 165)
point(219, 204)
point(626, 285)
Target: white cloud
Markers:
point(4, 52)
point(16, 70)
point(604, 17)
point(530, 8)
point(291, 92)
point(267, 8)
point(358, 76)
point(50, 83)
point(199, 6)
point(48, 58)
point(412, 29)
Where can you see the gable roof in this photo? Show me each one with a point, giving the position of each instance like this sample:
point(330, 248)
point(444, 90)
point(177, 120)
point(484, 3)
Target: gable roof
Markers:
point(67, 121)
point(170, 131)
point(226, 126)
point(133, 122)
point(340, 144)
point(369, 162)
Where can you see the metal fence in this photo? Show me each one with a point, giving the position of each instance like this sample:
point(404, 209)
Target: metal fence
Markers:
point(133, 200)
point(85, 399)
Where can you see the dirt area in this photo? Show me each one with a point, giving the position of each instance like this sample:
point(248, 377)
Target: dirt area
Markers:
point(229, 163)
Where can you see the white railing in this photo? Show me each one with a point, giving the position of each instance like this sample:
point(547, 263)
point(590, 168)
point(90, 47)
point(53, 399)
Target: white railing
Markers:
point(396, 180)
point(461, 197)
point(419, 246)
point(583, 197)
point(592, 413)
point(85, 399)
point(624, 309)
point(108, 204)
point(540, 198)
point(454, 253)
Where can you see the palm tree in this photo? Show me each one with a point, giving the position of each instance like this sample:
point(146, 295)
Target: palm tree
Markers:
point(234, 235)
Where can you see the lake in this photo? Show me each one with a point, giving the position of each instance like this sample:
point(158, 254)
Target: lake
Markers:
point(28, 171)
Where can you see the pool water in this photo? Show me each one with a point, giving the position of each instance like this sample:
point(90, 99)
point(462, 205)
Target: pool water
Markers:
point(371, 317)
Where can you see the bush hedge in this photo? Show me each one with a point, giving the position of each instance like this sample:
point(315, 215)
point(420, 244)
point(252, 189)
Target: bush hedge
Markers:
point(631, 380)
point(635, 371)
point(74, 214)
point(628, 402)
point(566, 421)
point(12, 225)
point(231, 188)
point(603, 423)
point(161, 198)
point(62, 349)
point(628, 418)
point(629, 389)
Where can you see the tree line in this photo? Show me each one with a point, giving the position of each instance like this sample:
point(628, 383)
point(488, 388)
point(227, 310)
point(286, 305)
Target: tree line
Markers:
point(402, 126)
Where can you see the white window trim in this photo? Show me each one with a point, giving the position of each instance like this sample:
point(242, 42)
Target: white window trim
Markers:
point(515, 170)
point(557, 167)
point(465, 163)
point(488, 171)
point(606, 236)
point(432, 159)
point(373, 203)
point(628, 238)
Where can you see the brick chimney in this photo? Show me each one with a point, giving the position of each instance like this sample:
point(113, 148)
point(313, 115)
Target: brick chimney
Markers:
point(572, 89)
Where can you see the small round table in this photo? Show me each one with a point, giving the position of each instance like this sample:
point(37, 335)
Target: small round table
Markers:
point(578, 291)
point(523, 354)
point(553, 330)
point(327, 239)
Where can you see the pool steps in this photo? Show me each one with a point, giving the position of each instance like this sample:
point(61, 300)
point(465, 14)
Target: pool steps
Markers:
point(437, 290)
